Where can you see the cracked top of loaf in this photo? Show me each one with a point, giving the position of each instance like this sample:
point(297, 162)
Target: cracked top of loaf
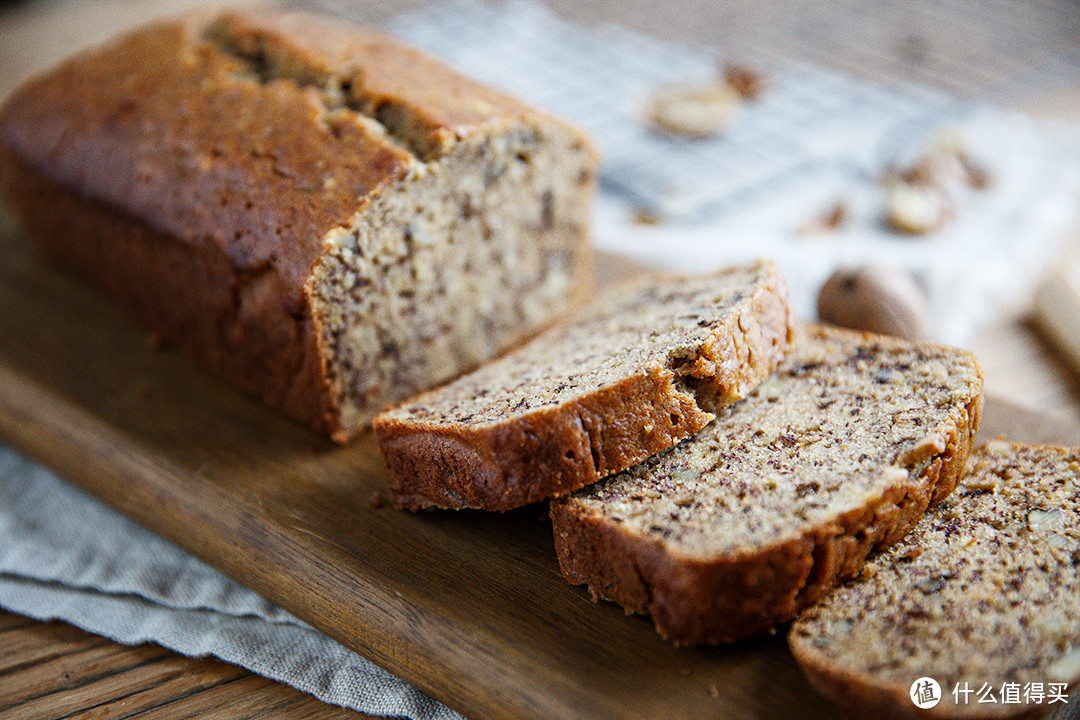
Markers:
point(254, 132)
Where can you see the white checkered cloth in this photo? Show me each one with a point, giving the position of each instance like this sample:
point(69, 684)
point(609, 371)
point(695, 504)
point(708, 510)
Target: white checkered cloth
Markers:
point(813, 139)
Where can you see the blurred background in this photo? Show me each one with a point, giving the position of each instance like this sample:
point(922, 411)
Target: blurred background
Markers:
point(1018, 51)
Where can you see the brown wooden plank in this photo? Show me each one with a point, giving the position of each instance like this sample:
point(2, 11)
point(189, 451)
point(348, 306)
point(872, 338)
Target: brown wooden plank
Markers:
point(41, 684)
point(11, 621)
point(468, 606)
point(250, 697)
point(45, 663)
point(34, 643)
point(153, 691)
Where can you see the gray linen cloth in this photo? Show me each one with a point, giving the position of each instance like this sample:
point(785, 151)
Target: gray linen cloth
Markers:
point(65, 555)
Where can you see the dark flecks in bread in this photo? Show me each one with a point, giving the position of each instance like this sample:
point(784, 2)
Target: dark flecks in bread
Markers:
point(784, 494)
point(647, 366)
point(985, 589)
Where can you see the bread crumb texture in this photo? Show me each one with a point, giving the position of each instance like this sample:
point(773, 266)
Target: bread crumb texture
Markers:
point(764, 510)
point(984, 590)
point(644, 367)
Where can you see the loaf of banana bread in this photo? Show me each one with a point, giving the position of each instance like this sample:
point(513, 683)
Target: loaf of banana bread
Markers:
point(328, 218)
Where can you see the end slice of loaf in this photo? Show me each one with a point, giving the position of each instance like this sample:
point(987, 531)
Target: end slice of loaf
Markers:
point(784, 495)
point(985, 590)
point(330, 219)
point(645, 367)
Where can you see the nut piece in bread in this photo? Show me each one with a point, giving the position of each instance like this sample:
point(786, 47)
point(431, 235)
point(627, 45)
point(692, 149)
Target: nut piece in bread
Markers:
point(645, 367)
point(328, 218)
point(784, 495)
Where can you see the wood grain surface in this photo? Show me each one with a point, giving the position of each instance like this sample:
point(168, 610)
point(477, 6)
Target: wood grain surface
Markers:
point(53, 670)
point(468, 606)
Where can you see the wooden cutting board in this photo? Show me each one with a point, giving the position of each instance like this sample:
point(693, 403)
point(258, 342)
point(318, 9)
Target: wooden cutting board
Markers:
point(468, 606)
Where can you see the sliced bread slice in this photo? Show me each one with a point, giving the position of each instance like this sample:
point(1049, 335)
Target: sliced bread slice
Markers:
point(647, 366)
point(983, 597)
point(759, 514)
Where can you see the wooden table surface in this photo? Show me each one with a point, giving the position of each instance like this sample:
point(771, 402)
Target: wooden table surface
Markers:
point(53, 670)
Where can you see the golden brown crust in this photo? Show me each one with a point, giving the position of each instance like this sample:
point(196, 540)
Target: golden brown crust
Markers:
point(892, 701)
point(195, 168)
point(553, 450)
point(238, 324)
point(730, 596)
point(544, 454)
point(690, 601)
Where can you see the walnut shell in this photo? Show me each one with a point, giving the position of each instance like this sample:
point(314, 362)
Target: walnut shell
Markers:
point(875, 299)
